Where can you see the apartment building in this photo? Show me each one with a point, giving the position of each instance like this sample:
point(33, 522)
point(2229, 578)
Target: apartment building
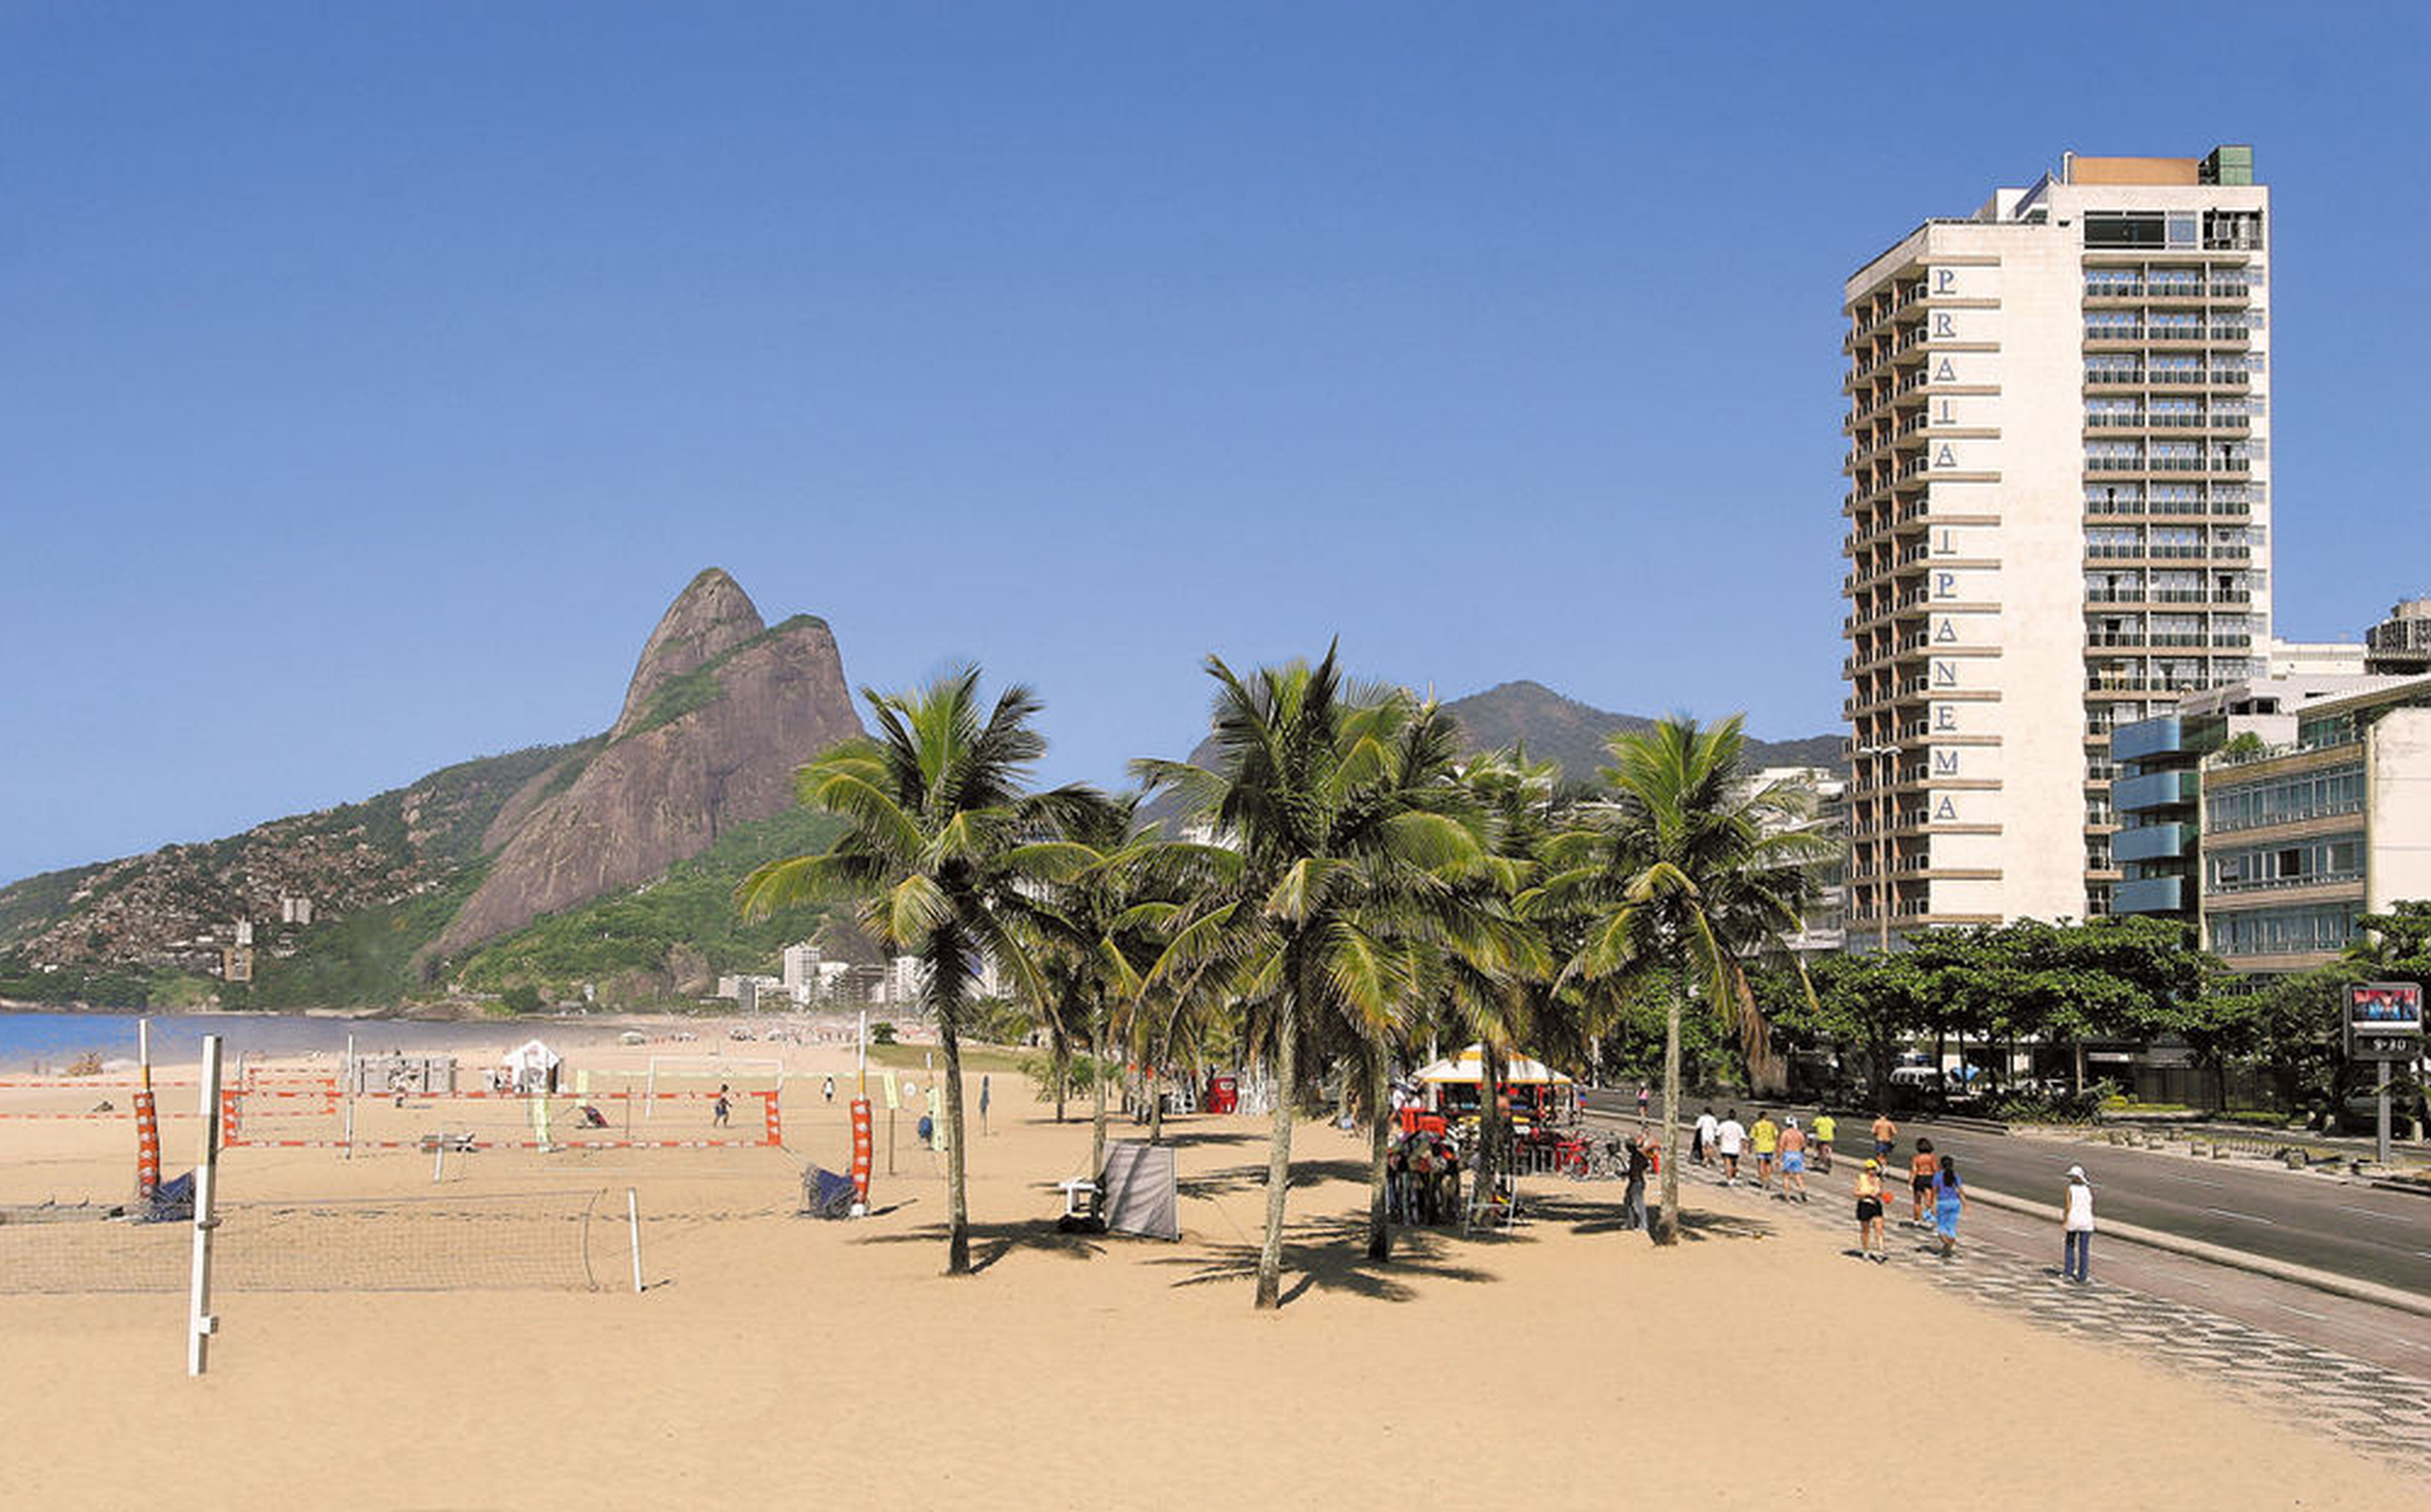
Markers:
point(2059, 512)
point(2301, 839)
point(2401, 643)
point(2159, 793)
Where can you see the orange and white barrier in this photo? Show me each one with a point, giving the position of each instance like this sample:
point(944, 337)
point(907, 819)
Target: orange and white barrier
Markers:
point(148, 1145)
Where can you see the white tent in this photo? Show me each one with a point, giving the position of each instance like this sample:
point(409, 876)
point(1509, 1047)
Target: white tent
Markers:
point(1468, 1069)
point(531, 1067)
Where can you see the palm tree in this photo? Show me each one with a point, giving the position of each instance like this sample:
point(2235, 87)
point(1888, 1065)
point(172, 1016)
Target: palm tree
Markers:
point(941, 837)
point(1332, 855)
point(1690, 874)
point(1093, 929)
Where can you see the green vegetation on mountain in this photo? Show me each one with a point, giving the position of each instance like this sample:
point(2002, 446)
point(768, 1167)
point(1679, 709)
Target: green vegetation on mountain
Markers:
point(701, 686)
point(28, 905)
point(363, 959)
point(636, 934)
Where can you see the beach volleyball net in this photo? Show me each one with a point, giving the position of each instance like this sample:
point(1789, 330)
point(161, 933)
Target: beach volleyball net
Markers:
point(735, 1117)
point(556, 1241)
point(51, 1099)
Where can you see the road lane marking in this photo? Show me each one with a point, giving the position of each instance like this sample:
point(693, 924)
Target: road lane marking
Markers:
point(2191, 1181)
point(2300, 1311)
point(2247, 1217)
point(2370, 1212)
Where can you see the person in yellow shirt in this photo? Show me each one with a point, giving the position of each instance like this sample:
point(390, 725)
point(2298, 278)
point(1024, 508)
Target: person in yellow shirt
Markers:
point(1765, 1137)
point(1821, 1140)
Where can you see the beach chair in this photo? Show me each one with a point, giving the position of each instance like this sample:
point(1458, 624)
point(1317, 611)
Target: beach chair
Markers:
point(1497, 1204)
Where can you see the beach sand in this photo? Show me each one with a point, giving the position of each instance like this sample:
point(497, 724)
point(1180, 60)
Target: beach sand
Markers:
point(773, 1356)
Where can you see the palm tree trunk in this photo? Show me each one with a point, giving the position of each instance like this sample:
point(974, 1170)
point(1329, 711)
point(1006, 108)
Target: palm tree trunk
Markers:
point(1062, 1068)
point(1156, 1102)
point(1489, 1078)
point(1098, 1081)
point(1271, 1255)
point(958, 1212)
point(1667, 1227)
point(1380, 1117)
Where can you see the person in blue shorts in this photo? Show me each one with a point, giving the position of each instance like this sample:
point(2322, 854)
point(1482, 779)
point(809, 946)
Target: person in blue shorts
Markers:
point(1793, 1162)
point(1949, 1201)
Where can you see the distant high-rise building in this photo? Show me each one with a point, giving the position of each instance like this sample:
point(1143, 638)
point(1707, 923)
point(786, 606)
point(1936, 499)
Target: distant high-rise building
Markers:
point(2401, 645)
point(2058, 516)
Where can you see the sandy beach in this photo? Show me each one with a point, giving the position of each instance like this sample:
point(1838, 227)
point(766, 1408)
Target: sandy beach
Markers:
point(777, 1356)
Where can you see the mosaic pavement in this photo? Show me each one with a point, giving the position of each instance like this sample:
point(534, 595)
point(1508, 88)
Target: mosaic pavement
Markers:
point(2376, 1410)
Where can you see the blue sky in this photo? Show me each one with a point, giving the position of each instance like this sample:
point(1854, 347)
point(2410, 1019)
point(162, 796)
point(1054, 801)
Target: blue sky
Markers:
point(371, 378)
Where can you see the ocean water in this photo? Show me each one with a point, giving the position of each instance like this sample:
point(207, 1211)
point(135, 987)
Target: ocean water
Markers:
point(53, 1040)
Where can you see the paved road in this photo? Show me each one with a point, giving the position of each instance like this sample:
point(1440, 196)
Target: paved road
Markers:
point(2347, 1228)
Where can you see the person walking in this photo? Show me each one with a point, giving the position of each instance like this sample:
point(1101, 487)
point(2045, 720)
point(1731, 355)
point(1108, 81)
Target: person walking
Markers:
point(1920, 1171)
point(1729, 1140)
point(984, 1102)
point(1765, 1137)
point(1949, 1201)
point(1700, 1143)
point(2076, 1227)
point(1869, 1214)
point(1645, 1096)
point(1793, 1160)
point(1886, 1136)
point(828, 1089)
point(724, 1108)
point(1633, 1196)
point(1821, 1143)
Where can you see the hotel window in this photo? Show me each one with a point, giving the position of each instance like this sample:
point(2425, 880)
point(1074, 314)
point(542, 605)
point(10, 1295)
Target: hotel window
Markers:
point(2181, 324)
point(2113, 413)
point(2111, 367)
point(2176, 411)
point(2115, 228)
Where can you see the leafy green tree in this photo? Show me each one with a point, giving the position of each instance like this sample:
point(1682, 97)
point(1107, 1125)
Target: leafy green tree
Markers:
point(1692, 873)
point(940, 838)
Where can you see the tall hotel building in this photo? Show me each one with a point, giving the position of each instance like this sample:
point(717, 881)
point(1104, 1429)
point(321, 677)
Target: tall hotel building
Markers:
point(2059, 513)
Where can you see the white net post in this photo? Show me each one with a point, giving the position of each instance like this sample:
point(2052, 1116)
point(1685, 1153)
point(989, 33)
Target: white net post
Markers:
point(633, 1233)
point(200, 1324)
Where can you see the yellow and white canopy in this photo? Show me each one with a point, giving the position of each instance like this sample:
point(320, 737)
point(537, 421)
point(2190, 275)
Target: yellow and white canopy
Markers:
point(1468, 1069)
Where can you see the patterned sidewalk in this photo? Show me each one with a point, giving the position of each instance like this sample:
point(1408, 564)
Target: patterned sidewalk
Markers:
point(2377, 1411)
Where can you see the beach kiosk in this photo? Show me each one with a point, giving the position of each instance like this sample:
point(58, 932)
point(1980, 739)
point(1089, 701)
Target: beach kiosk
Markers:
point(1540, 1095)
point(531, 1067)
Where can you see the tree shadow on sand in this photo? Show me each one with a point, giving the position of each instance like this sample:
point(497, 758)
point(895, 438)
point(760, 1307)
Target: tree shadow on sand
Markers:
point(991, 1242)
point(1236, 1179)
point(1332, 1255)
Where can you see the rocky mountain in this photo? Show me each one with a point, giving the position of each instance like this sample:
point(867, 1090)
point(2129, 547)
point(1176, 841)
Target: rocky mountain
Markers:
point(348, 905)
point(720, 710)
point(1572, 734)
point(1567, 733)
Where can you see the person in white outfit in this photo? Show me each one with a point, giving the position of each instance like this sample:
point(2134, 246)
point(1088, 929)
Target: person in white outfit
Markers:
point(2076, 1227)
point(1729, 1140)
